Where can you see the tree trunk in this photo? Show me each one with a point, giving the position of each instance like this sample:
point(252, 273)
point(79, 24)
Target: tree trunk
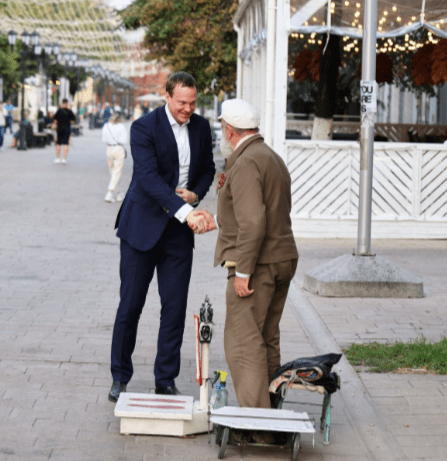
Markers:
point(427, 108)
point(419, 108)
point(327, 90)
point(322, 128)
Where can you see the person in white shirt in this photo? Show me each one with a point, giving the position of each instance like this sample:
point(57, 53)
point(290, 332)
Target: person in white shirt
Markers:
point(114, 134)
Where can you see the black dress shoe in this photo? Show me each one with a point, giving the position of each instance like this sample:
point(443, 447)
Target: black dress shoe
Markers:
point(116, 390)
point(170, 390)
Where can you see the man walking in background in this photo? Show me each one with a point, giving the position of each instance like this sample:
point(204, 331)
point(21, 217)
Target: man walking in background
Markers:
point(173, 170)
point(63, 120)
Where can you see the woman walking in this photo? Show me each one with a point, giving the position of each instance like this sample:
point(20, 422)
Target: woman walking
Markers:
point(114, 134)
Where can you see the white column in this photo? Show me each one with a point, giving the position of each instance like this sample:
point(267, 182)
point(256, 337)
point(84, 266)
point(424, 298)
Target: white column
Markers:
point(282, 52)
point(240, 45)
point(270, 72)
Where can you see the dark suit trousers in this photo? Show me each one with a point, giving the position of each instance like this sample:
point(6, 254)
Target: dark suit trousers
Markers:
point(172, 256)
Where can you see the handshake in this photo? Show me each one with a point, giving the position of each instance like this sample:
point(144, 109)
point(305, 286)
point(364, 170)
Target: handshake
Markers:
point(201, 221)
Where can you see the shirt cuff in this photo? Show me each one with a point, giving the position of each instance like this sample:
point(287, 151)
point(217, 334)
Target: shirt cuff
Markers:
point(215, 220)
point(242, 276)
point(183, 212)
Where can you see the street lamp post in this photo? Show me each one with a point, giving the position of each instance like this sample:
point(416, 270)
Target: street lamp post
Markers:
point(101, 75)
point(38, 53)
point(67, 55)
point(48, 48)
point(81, 64)
point(96, 72)
point(74, 63)
point(113, 88)
point(93, 71)
point(26, 38)
point(107, 78)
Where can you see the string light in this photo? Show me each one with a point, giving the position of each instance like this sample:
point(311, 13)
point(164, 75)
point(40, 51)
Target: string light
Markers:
point(92, 28)
point(388, 19)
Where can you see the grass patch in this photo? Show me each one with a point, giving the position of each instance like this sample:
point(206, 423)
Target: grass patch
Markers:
point(382, 358)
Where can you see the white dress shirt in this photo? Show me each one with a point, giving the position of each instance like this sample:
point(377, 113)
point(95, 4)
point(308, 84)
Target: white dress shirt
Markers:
point(181, 135)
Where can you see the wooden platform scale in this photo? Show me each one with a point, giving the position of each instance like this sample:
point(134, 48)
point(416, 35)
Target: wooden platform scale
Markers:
point(154, 414)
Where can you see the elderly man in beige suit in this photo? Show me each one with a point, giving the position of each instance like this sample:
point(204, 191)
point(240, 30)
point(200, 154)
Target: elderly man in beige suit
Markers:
point(257, 246)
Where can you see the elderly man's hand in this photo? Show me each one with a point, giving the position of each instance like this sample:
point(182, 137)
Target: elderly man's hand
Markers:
point(187, 196)
point(241, 287)
point(210, 223)
point(196, 222)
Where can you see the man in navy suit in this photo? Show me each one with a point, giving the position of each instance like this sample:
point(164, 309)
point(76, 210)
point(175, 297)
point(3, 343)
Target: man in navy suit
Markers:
point(173, 170)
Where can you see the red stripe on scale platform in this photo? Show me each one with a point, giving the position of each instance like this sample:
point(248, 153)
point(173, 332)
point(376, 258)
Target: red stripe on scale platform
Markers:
point(154, 406)
point(160, 407)
point(158, 400)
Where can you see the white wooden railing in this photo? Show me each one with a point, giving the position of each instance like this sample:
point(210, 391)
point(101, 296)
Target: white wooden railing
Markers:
point(409, 189)
point(394, 132)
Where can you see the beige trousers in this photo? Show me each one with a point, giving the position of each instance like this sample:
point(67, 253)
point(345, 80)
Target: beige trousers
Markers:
point(115, 160)
point(252, 334)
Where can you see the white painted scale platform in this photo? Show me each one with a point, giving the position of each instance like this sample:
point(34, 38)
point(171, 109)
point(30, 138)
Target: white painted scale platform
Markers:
point(155, 414)
point(263, 419)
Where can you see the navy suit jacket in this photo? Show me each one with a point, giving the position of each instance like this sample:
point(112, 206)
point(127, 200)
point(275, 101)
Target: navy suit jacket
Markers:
point(151, 199)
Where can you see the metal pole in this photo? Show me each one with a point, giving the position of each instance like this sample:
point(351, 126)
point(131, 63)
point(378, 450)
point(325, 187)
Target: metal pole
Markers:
point(22, 131)
point(204, 394)
point(369, 109)
point(47, 82)
point(78, 118)
point(92, 113)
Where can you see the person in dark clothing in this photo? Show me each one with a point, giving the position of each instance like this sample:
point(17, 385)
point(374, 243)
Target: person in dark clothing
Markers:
point(63, 119)
point(107, 113)
point(28, 128)
point(40, 121)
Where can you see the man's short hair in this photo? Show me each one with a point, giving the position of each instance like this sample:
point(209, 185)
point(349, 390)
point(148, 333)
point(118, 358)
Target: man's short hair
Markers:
point(182, 78)
point(64, 101)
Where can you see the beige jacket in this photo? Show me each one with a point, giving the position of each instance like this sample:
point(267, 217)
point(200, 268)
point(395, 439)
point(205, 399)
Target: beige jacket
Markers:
point(253, 210)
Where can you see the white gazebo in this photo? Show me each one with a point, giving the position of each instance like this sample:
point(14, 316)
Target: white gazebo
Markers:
point(409, 180)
